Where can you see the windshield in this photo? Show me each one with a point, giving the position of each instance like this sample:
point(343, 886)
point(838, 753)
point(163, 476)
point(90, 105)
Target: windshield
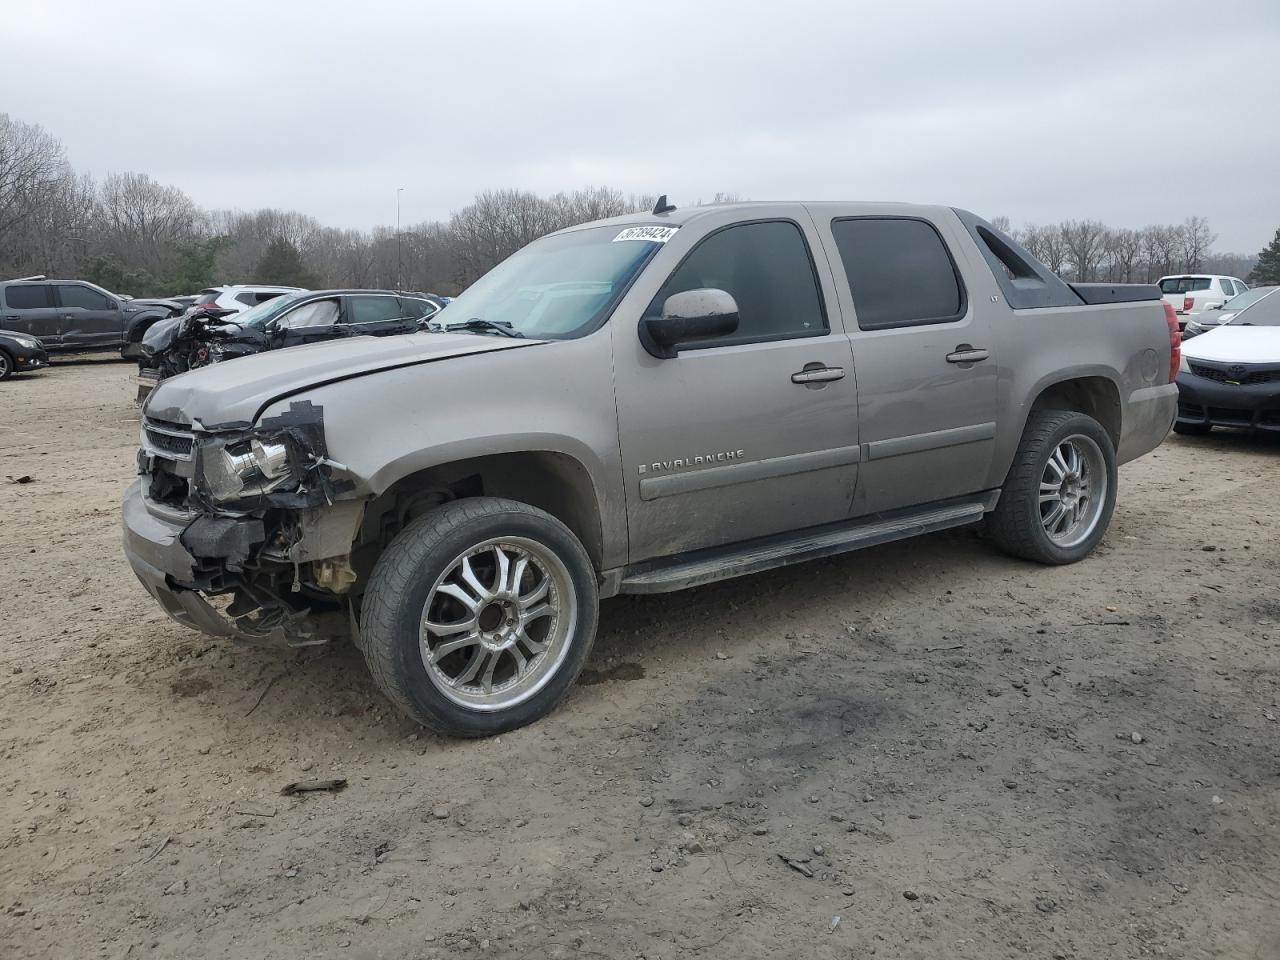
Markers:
point(558, 287)
point(1247, 299)
point(1183, 284)
point(258, 316)
point(1262, 311)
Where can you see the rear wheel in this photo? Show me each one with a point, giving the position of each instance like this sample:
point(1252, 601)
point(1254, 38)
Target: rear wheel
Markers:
point(1061, 490)
point(479, 616)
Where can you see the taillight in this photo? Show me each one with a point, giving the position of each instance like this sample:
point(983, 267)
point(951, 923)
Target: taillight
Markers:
point(1188, 303)
point(1175, 342)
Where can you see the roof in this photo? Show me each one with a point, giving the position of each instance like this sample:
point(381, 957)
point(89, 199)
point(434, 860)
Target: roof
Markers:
point(758, 208)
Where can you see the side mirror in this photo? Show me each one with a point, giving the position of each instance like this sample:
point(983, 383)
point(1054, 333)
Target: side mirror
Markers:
point(692, 315)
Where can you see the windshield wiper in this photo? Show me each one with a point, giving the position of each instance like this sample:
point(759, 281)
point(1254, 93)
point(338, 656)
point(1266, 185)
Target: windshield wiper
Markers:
point(480, 325)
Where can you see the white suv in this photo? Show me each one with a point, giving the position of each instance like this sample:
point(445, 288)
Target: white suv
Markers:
point(1192, 293)
point(239, 297)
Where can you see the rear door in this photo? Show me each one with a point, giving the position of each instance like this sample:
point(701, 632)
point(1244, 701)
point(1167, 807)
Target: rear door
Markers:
point(89, 318)
point(924, 357)
point(747, 435)
point(29, 308)
point(377, 314)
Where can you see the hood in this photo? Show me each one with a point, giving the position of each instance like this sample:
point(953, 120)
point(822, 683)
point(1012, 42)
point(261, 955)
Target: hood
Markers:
point(236, 390)
point(1232, 344)
point(160, 335)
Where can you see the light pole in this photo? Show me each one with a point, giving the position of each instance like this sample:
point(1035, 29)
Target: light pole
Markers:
point(399, 257)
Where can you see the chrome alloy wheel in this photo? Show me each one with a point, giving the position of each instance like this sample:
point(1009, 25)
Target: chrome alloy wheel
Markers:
point(1073, 490)
point(497, 623)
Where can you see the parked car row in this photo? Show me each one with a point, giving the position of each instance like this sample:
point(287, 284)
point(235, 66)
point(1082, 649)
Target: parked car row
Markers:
point(39, 316)
point(1230, 372)
point(77, 316)
point(206, 334)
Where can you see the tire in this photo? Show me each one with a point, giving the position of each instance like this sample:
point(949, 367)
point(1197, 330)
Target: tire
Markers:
point(1026, 527)
point(6, 365)
point(479, 687)
point(1191, 429)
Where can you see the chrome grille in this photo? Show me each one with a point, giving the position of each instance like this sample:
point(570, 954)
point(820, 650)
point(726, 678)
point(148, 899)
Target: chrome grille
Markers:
point(167, 440)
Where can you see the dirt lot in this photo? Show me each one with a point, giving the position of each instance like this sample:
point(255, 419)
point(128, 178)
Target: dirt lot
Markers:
point(962, 755)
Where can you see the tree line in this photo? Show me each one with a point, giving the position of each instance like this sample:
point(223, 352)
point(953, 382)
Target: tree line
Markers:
point(132, 234)
point(1091, 251)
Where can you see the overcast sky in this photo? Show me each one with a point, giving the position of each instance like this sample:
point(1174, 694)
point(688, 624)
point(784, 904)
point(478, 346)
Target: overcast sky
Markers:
point(1128, 111)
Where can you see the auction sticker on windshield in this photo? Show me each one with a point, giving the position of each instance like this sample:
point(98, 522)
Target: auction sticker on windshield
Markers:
point(656, 234)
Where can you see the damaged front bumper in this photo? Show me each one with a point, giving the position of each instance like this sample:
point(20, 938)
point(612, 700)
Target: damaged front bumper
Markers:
point(235, 530)
point(153, 546)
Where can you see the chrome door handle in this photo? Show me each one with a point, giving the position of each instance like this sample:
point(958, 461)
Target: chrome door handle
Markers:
point(817, 374)
point(967, 354)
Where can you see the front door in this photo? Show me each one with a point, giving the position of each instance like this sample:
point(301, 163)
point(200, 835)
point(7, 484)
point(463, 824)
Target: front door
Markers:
point(925, 361)
point(88, 317)
point(747, 435)
point(308, 323)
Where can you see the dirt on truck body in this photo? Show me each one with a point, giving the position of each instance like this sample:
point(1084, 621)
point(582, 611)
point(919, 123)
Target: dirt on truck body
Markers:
point(642, 405)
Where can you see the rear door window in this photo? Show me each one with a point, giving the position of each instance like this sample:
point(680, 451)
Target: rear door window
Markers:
point(369, 309)
point(767, 269)
point(418, 309)
point(28, 296)
point(900, 272)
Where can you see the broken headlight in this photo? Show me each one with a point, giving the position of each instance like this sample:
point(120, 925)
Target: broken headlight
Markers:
point(242, 469)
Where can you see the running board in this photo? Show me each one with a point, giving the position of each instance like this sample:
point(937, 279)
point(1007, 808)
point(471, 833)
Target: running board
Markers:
point(737, 560)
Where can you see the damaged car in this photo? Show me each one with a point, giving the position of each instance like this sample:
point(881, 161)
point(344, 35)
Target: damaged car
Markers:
point(640, 405)
point(208, 334)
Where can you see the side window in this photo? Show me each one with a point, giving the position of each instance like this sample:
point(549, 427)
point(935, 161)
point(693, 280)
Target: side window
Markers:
point(374, 309)
point(1241, 286)
point(248, 299)
point(263, 296)
point(27, 296)
point(418, 309)
point(74, 295)
point(317, 313)
point(767, 269)
point(1227, 288)
point(900, 272)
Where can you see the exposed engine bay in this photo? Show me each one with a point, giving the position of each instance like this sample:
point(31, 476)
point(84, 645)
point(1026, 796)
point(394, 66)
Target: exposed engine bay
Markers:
point(260, 517)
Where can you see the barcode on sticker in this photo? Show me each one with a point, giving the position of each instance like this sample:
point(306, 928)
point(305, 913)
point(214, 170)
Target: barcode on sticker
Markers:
point(656, 234)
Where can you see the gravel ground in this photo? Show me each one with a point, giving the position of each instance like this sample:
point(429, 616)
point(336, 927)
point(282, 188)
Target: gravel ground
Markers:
point(922, 750)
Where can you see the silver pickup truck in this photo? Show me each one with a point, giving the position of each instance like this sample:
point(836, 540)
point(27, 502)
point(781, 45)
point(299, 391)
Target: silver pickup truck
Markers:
point(640, 405)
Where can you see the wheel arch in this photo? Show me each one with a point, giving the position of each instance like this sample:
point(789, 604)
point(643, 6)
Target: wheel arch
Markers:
point(1096, 395)
point(550, 480)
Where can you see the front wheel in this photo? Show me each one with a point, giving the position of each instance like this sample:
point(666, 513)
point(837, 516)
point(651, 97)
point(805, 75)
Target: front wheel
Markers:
point(6, 365)
point(1060, 492)
point(479, 616)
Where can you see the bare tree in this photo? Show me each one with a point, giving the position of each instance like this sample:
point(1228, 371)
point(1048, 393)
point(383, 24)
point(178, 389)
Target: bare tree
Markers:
point(144, 221)
point(1084, 243)
point(31, 161)
point(1196, 239)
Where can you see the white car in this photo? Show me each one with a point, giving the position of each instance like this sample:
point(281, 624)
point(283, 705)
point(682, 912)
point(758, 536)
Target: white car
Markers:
point(1192, 293)
point(239, 297)
point(1230, 375)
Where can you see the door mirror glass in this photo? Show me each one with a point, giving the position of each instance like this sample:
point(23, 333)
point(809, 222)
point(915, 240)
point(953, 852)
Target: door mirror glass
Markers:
point(688, 316)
